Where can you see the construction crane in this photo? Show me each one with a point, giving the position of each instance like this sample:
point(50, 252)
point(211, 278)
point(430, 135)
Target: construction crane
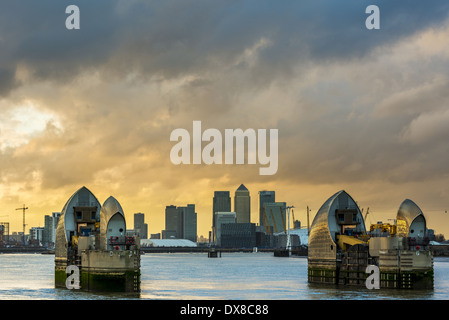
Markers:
point(23, 209)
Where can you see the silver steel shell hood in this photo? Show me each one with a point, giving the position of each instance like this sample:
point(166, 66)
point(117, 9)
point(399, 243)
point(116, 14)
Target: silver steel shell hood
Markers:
point(66, 223)
point(322, 235)
point(410, 220)
point(111, 213)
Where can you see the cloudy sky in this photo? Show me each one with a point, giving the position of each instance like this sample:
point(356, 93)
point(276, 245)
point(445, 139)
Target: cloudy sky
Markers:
point(362, 110)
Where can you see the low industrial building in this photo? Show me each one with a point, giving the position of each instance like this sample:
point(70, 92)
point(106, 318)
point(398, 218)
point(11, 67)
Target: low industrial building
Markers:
point(171, 243)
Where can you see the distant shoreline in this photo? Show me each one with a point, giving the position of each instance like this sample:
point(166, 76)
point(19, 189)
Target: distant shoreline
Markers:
point(24, 250)
point(157, 250)
point(438, 251)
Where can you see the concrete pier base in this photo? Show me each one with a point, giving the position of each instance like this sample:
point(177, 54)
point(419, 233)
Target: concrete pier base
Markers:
point(104, 271)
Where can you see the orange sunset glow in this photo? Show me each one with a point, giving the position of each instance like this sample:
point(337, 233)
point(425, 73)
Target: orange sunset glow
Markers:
point(364, 111)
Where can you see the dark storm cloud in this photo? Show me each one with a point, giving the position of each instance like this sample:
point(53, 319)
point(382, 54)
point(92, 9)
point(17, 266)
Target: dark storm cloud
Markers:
point(232, 50)
point(173, 38)
point(7, 81)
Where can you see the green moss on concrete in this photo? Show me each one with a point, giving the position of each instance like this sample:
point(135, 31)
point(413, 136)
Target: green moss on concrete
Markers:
point(111, 282)
point(60, 278)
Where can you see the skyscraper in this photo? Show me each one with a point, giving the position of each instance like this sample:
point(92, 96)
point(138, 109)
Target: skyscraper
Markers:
point(221, 203)
point(264, 196)
point(48, 231)
point(242, 205)
point(187, 222)
point(140, 227)
point(171, 221)
point(51, 223)
point(180, 222)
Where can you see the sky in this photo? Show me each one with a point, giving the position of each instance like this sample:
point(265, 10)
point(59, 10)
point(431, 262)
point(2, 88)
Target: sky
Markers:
point(366, 111)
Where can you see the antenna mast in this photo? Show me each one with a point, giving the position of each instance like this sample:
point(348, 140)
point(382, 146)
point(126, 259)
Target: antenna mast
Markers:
point(288, 227)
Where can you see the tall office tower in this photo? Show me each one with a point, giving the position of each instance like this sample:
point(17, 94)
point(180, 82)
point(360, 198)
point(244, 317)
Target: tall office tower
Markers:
point(171, 222)
point(276, 216)
point(48, 232)
point(264, 196)
point(187, 222)
point(242, 205)
point(140, 227)
point(55, 216)
point(221, 203)
point(50, 224)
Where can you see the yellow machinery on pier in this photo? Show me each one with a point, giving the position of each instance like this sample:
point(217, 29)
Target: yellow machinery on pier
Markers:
point(344, 241)
point(384, 227)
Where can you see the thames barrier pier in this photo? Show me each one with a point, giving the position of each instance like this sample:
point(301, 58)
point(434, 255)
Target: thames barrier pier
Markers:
point(92, 238)
point(340, 248)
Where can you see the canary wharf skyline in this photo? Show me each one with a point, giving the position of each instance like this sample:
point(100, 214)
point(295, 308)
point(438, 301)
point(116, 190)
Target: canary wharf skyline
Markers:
point(358, 110)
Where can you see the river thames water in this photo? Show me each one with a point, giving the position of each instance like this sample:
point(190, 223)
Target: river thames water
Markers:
point(192, 276)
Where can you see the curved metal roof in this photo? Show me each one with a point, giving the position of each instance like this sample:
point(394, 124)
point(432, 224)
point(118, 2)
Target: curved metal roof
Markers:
point(110, 208)
point(322, 241)
point(407, 213)
point(82, 197)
